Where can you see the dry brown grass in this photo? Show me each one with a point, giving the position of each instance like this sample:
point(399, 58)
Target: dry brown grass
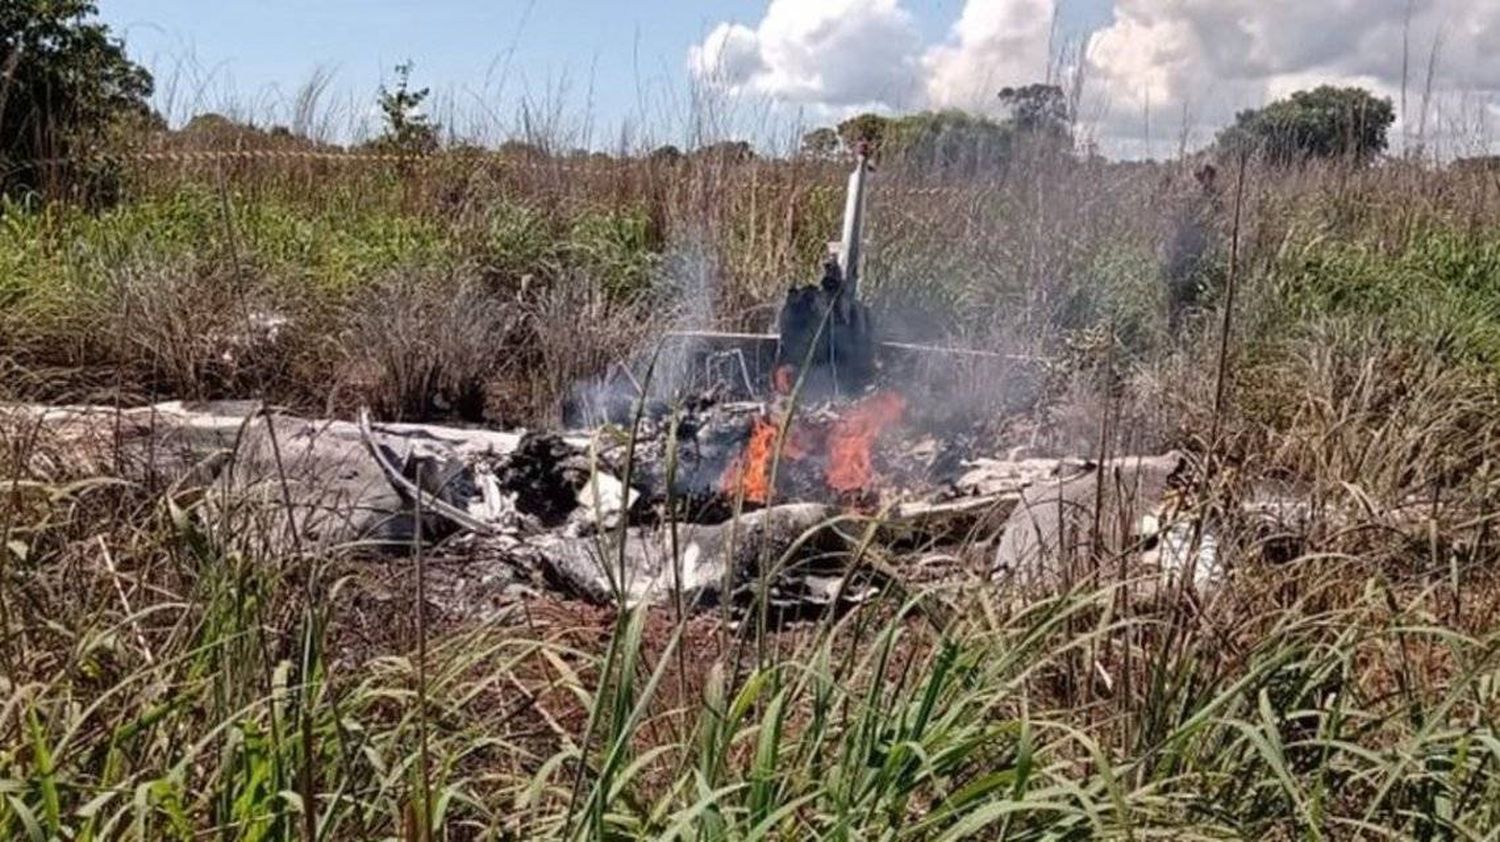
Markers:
point(1342, 682)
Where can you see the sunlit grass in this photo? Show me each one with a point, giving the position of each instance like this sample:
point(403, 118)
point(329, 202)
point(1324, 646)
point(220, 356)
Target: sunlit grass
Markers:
point(162, 679)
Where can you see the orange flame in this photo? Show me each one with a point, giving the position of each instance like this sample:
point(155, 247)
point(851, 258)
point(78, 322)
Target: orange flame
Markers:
point(853, 437)
point(751, 468)
point(847, 444)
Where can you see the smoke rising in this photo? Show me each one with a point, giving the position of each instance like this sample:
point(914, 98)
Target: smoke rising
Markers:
point(686, 289)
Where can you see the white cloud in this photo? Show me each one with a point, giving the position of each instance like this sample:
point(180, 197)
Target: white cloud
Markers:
point(729, 55)
point(1190, 64)
point(1193, 63)
point(817, 52)
point(995, 43)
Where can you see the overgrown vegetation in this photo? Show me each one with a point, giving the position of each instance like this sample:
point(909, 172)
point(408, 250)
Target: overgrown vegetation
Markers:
point(407, 128)
point(1038, 123)
point(1323, 123)
point(161, 678)
point(66, 87)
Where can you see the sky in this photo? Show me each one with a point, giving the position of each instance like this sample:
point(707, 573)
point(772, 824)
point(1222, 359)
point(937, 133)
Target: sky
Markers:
point(1155, 76)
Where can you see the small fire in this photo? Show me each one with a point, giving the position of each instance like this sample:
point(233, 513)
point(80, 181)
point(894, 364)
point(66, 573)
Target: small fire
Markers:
point(751, 467)
point(845, 448)
point(853, 437)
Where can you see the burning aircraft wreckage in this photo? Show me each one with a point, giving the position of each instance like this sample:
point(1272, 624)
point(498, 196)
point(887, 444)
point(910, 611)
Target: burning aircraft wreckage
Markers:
point(794, 497)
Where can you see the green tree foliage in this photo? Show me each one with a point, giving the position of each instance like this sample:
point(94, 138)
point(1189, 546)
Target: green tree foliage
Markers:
point(407, 129)
point(1040, 117)
point(1039, 111)
point(216, 131)
point(668, 155)
point(950, 140)
point(946, 140)
point(864, 128)
point(66, 90)
point(1324, 123)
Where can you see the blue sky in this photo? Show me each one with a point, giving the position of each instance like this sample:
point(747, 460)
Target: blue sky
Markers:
point(603, 59)
point(1159, 75)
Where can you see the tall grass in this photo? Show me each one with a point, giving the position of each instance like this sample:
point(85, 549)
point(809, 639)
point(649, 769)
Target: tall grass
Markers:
point(161, 683)
point(164, 678)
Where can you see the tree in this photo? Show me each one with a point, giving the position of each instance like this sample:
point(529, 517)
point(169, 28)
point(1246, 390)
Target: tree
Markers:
point(726, 152)
point(67, 90)
point(1478, 165)
point(668, 155)
point(864, 128)
point(1039, 119)
point(1324, 123)
point(951, 140)
point(521, 150)
point(1038, 110)
point(215, 131)
point(407, 129)
point(820, 143)
point(1040, 113)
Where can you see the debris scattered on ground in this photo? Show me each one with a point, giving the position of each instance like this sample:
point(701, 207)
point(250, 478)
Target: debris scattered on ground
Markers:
point(724, 504)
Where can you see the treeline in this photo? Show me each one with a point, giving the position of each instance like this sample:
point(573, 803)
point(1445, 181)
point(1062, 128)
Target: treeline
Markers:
point(1039, 120)
point(71, 97)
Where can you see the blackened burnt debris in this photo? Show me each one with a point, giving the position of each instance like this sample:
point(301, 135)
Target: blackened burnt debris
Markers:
point(594, 515)
point(767, 472)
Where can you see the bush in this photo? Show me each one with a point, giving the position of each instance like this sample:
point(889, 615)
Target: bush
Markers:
point(423, 345)
point(620, 249)
point(1440, 283)
point(67, 87)
point(1327, 122)
point(407, 128)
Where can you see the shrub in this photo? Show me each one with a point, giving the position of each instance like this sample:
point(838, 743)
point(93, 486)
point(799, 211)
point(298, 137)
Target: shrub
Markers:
point(408, 130)
point(619, 249)
point(1327, 122)
point(65, 87)
point(424, 344)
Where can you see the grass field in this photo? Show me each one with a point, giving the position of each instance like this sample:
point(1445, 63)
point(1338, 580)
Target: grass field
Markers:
point(163, 680)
